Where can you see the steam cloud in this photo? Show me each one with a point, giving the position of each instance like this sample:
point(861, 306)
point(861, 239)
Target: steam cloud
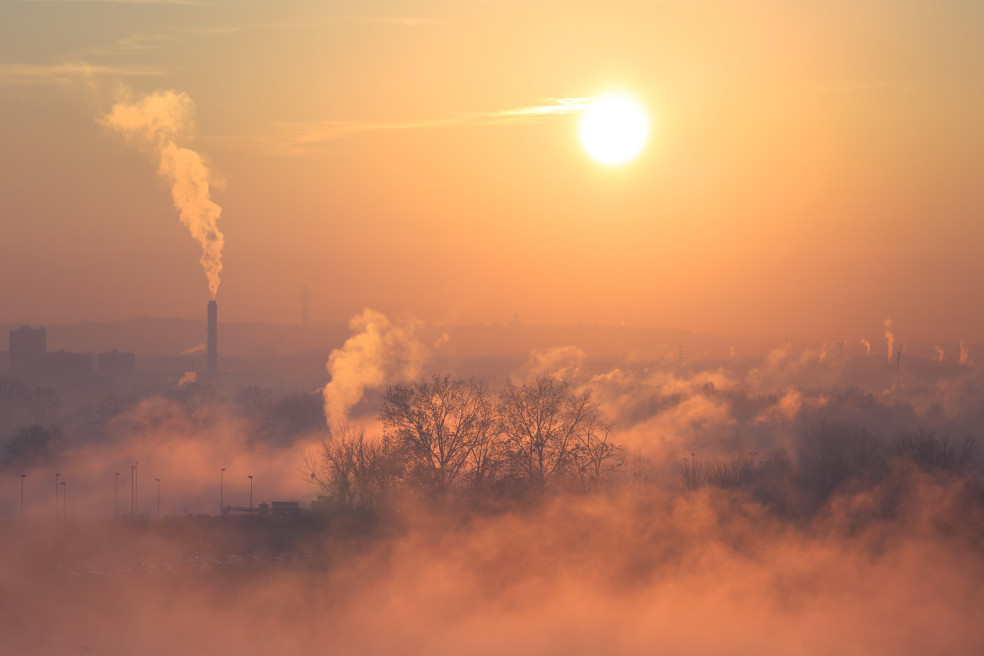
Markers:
point(379, 352)
point(964, 354)
point(562, 363)
point(867, 346)
point(889, 339)
point(157, 121)
point(939, 354)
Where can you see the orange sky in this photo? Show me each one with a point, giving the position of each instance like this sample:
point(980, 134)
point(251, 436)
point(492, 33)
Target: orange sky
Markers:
point(814, 168)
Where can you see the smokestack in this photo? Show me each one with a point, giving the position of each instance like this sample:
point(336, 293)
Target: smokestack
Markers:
point(213, 343)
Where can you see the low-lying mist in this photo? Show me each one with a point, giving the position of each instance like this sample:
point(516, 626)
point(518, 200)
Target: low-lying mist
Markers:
point(704, 571)
point(806, 502)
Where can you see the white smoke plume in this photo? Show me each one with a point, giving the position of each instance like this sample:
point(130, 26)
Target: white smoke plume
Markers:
point(442, 340)
point(964, 354)
point(562, 363)
point(939, 354)
point(867, 346)
point(889, 339)
point(197, 348)
point(378, 353)
point(157, 121)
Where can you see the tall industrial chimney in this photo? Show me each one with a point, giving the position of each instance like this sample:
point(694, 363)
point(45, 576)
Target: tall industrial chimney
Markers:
point(213, 342)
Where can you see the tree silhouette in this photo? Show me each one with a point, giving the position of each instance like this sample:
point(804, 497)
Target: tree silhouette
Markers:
point(439, 423)
point(543, 423)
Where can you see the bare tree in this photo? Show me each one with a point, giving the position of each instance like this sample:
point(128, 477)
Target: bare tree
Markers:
point(925, 449)
point(31, 445)
point(596, 456)
point(24, 405)
point(487, 458)
point(735, 472)
point(442, 424)
point(355, 471)
point(543, 422)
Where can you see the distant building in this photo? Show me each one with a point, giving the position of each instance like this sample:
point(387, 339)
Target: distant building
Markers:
point(286, 508)
point(325, 505)
point(65, 363)
point(117, 364)
point(27, 351)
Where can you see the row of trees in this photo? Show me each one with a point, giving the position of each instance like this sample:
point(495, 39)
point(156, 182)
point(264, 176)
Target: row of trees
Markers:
point(446, 434)
point(830, 458)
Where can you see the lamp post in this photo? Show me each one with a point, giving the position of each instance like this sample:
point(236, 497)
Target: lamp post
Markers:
point(221, 501)
point(158, 498)
point(250, 477)
point(136, 485)
point(116, 499)
point(133, 515)
point(56, 495)
point(64, 500)
point(23, 476)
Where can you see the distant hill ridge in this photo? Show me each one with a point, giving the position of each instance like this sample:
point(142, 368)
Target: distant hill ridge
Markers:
point(172, 336)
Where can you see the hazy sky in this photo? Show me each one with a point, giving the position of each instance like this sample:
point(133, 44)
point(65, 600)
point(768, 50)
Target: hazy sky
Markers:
point(814, 167)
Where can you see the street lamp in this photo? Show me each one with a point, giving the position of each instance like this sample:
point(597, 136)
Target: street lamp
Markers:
point(23, 476)
point(250, 477)
point(64, 500)
point(136, 485)
point(158, 498)
point(56, 495)
point(221, 504)
point(116, 499)
point(133, 514)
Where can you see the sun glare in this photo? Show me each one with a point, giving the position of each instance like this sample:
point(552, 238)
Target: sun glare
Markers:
point(614, 129)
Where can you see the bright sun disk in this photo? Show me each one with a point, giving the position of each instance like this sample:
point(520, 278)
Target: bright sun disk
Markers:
point(614, 129)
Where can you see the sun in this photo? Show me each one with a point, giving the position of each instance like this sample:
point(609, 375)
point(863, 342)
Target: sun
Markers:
point(614, 128)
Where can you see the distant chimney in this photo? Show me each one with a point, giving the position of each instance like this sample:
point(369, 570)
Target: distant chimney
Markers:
point(213, 343)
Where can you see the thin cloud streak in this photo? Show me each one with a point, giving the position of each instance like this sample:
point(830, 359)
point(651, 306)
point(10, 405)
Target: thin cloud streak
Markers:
point(23, 73)
point(66, 72)
point(387, 20)
point(299, 138)
point(142, 42)
point(132, 44)
point(852, 88)
point(129, 2)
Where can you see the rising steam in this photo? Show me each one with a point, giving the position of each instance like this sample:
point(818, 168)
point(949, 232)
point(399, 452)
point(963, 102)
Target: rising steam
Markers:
point(156, 122)
point(379, 352)
point(867, 346)
point(889, 338)
point(562, 363)
point(964, 354)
